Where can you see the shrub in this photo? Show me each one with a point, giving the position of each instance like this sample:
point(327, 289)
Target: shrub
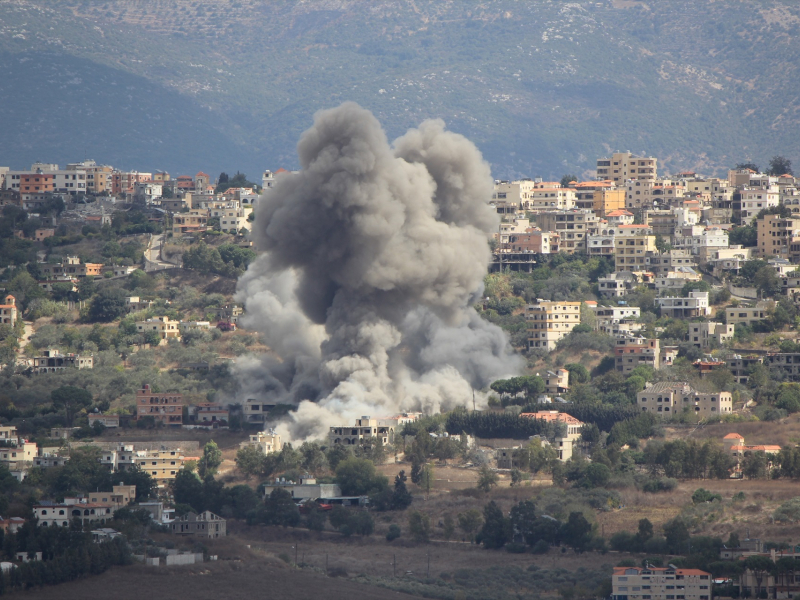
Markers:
point(789, 511)
point(393, 533)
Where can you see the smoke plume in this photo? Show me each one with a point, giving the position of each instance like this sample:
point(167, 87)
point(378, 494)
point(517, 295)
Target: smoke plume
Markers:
point(372, 256)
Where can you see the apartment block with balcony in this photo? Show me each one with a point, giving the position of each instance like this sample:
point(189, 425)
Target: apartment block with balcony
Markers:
point(775, 234)
point(8, 311)
point(550, 321)
point(666, 398)
point(53, 361)
point(623, 166)
point(572, 227)
point(660, 583)
point(631, 252)
point(630, 353)
point(748, 314)
point(695, 305)
point(167, 329)
point(165, 408)
point(710, 334)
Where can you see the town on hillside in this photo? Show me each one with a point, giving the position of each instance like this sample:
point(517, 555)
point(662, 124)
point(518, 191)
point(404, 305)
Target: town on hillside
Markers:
point(651, 439)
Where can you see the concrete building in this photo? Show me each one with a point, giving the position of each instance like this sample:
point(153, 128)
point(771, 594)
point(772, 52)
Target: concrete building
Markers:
point(734, 445)
point(205, 524)
point(572, 227)
point(533, 240)
point(71, 266)
point(19, 457)
point(265, 441)
point(162, 465)
point(623, 166)
point(556, 382)
point(550, 321)
point(384, 429)
point(607, 202)
point(631, 251)
point(8, 311)
point(710, 334)
point(748, 202)
point(195, 221)
point(52, 361)
point(307, 489)
point(673, 281)
point(748, 314)
point(60, 515)
point(660, 583)
point(695, 305)
point(775, 234)
point(107, 421)
point(666, 398)
point(209, 414)
point(165, 408)
point(564, 443)
point(230, 313)
point(617, 285)
point(631, 352)
point(513, 193)
point(166, 328)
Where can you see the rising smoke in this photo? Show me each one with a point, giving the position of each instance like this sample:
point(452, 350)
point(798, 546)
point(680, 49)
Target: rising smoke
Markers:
point(373, 255)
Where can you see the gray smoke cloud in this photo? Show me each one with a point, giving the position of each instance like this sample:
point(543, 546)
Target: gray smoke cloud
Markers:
point(373, 255)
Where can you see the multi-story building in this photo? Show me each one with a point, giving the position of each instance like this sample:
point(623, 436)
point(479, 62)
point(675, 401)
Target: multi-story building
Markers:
point(617, 285)
point(70, 266)
point(734, 445)
point(124, 182)
point(748, 202)
point(195, 221)
point(550, 321)
point(623, 166)
point(19, 456)
point(748, 314)
point(209, 414)
point(673, 281)
point(365, 428)
point(710, 333)
point(696, 305)
point(234, 220)
point(661, 263)
point(107, 421)
point(257, 411)
point(697, 237)
point(551, 198)
point(166, 328)
point(631, 352)
point(60, 515)
point(670, 397)
point(660, 583)
point(230, 313)
point(8, 435)
point(572, 227)
point(161, 465)
point(631, 252)
point(98, 177)
point(8, 311)
point(513, 193)
point(608, 201)
point(535, 241)
point(775, 234)
point(564, 442)
point(265, 441)
point(556, 382)
point(52, 361)
point(205, 524)
point(166, 408)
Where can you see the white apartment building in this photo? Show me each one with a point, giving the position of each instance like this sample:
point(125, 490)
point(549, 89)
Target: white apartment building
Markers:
point(550, 321)
point(514, 193)
point(384, 429)
point(551, 198)
point(696, 305)
point(665, 398)
point(165, 327)
point(754, 200)
point(660, 583)
point(704, 335)
point(265, 441)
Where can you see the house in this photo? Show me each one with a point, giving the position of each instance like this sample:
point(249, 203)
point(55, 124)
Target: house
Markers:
point(748, 314)
point(60, 515)
point(108, 421)
point(734, 445)
point(556, 382)
point(18, 457)
point(209, 413)
point(550, 321)
point(161, 465)
point(11, 524)
point(365, 428)
point(134, 303)
point(8, 311)
point(565, 442)
point(52, 361)
point(710, 333)
point(660, 583)
point(695, 305)
point(230, 313)
point(165, 408)
point(266, 441)
point(8, 435)
point(194, 221)
point(53, 456)
point(166, 328)
point(630, 352)
point(205, 524)
point(670, 397)
point(617, 285)
point(158, 512)
point(104, 534)
point(70, 266)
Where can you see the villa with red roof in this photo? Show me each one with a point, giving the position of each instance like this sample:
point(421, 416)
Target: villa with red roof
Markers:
point(735, 446)
point(8, 311)
point(563, 444)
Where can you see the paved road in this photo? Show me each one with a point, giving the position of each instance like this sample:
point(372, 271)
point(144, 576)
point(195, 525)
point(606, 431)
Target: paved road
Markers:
point(152, 255)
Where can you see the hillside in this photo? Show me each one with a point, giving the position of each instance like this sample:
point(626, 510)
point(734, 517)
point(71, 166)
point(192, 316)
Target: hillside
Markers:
point(542, 87)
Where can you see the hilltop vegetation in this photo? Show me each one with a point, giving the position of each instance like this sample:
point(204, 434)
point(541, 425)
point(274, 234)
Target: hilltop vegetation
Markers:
point(542, 87)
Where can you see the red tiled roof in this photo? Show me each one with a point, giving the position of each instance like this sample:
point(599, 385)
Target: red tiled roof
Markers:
point(733, 436)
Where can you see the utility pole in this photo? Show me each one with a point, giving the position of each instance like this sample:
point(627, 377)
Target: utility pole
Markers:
point(326, 564)
point(394, 565)
point(429, 565)
point(295, 553)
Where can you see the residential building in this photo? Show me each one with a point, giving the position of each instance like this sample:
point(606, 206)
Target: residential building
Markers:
point(70, 266)
point(60, 515)
point(265, 441)
point(205, 524)
point(617, 320)
point(52, 361)
point(513, 193)
point(53, 456)
point(120, 496)
point(556, 382)
point(740, 366)
point(195, 221)
point(631, 252)
point(788, 362)
point(98, 177)
point(601, 244)
point(609, 201)
point(673, 281)
point(123, 182)
point(695, 305)
point(230, 313)
point(256, 411)
point(748, 202)
point(734, 445)
point(11, 524)
point(565, 441)
point(617, 285)
point(18, 457)
point(550, 321)
point(775, 234)
point(234, 220)
point(661, 263)
point(8, 311)
point(201, 181)
point(534, 240)
point(572, 227)
point(631, 352)
point(165, 408)
point(623, 166)
point(161, 465)
point(8, 435)
point(660, 583)
point(748, 314)
point(670, 397)
point(209, 413)
point(166, 328)
point(307, 489)
point(710, 334)
point(549, 198)
point(366, 428)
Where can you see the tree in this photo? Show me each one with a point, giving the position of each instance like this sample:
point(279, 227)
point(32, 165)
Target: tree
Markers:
point(577, 373)
point(759, 566)
point(107, 305)
point(677, 536)
point(496, 530)
point(577, 531)
point(779, 165)
point(72, 399)
point(523, 521)
point(662, 245)
point(487, 479)
point(754, 466)
point(427, 478)
point(250, 461)
point(448, 526)
point(469, 522)
point(187, 489)
point(280, 509)
point(747, 165)
point(210, 461)
point(645, 532)
point(357, 477)
point(567, 179)
point(419, 526)
point(401, 497)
